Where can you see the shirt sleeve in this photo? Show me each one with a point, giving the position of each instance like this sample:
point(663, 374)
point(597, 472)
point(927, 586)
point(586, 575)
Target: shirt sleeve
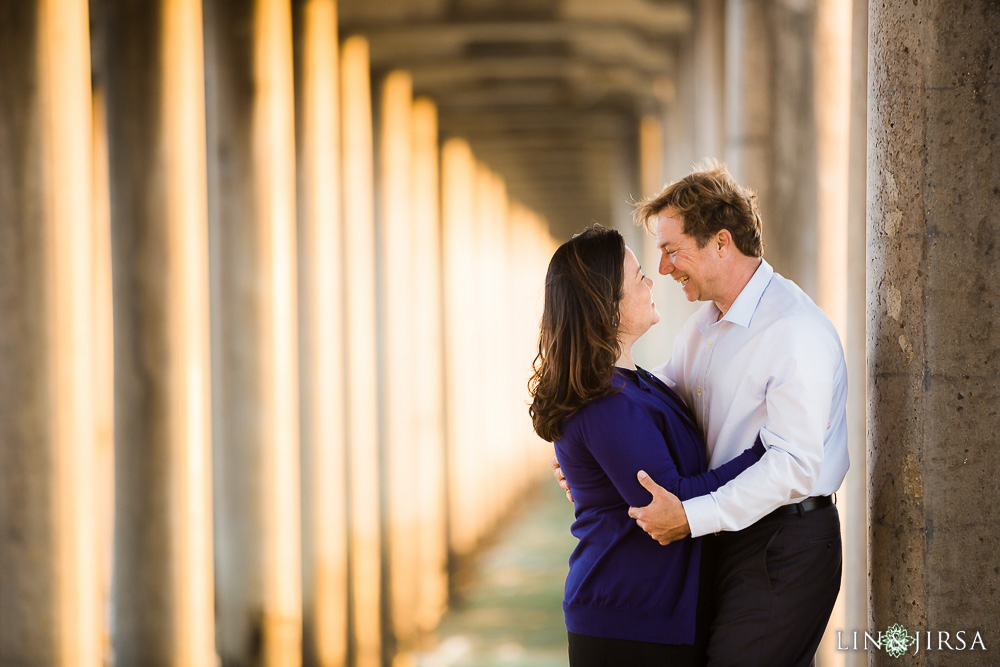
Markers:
point(625, 440)
point(803, 365)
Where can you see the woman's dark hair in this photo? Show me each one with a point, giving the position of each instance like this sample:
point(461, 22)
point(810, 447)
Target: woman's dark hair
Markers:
point(578, 344)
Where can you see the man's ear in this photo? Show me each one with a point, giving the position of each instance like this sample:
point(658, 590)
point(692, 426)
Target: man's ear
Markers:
point(723, 242)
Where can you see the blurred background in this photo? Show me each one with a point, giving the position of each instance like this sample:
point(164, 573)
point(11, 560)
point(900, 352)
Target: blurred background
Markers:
point(271, 277)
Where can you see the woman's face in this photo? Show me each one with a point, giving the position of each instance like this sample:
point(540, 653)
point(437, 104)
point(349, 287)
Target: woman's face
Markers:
point(637, 310)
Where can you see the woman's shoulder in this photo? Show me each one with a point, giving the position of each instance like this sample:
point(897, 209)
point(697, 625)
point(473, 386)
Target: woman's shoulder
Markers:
point(610, 406)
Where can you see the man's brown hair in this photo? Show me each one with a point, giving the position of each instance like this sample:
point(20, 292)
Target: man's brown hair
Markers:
point(709, 199)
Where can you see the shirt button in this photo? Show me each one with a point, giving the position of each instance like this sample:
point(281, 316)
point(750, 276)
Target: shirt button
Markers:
point(709, 343)
point(699, 390)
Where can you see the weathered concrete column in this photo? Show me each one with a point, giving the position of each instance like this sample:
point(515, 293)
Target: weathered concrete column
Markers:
point(49, 579)
point(770, 124)
point(365, 642)
point(163, 591)
point(251, 158)
point(321, 334)
point(428, 366)
point(933, 334)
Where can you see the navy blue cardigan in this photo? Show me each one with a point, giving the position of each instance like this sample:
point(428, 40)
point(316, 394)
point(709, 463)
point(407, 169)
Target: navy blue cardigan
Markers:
point(622, 584)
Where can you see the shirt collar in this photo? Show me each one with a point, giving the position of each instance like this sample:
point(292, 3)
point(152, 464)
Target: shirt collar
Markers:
point(745, 305)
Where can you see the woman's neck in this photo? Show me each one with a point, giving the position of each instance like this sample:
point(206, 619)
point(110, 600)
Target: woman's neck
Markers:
point(625, 358)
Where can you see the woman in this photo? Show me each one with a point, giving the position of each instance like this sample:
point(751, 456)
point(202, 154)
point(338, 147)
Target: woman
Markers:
point(628, 600)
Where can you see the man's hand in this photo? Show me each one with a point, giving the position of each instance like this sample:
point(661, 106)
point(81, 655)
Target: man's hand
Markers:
point(664, 518)
point(560, 477)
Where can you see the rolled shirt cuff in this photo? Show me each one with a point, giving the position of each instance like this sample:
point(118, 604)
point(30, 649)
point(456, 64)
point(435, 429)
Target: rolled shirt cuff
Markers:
point(702, 515)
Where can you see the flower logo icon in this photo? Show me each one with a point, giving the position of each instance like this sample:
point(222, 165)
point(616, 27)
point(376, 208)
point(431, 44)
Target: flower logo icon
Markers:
point(896, 640)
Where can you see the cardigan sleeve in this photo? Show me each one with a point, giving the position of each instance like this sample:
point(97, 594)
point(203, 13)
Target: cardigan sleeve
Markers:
point(623, 438)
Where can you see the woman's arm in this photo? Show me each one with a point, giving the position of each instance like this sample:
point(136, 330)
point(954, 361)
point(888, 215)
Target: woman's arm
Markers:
point(623, 439)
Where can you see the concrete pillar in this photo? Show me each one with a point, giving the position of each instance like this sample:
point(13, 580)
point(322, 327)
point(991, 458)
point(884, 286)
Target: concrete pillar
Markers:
point(652, 350)
point(365, 594)
point(792, 224)
point(832, 75)
point(104, 352)
point(251, 158)
point(490, 445)
point(854, 512)
point(709, 100)
point(681, 151)
point(49, 581)
point(770, 124)
point(163, 592)
point(397, 318)
point(458, 169)
point(749, 105)
point(321, 334)
point(933, 339)
point(428, 366)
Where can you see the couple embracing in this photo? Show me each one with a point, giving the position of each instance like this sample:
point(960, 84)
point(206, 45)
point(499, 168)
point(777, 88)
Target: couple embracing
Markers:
point(702, 488)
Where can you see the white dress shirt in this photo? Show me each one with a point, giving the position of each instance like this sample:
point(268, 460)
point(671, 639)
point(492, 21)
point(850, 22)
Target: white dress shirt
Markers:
point(772, 366)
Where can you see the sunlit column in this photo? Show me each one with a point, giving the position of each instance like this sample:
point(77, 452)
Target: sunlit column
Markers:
point(832, 72)
point(855, 511)
point(428, 367)
point(50, 607)
point(518, 335)
point(163, 601)
point(104, 381)
point(487, 465)
point(251, 144)
point(833, 88)
point(528, 265)
point(458, 171)
point(362, 391)
point(397, 318)
point(683, 123)
point(498, 351)
point(652, 348)
point(321, 335)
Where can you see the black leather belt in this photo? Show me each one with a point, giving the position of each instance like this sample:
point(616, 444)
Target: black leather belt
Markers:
point(807, 505)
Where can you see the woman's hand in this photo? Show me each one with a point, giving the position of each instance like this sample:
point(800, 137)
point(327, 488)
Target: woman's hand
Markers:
point(560, 477)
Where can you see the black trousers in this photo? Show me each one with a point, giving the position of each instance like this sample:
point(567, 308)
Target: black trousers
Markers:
point(776, 586)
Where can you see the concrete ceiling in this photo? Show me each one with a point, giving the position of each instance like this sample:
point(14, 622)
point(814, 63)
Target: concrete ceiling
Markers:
point(547, 92)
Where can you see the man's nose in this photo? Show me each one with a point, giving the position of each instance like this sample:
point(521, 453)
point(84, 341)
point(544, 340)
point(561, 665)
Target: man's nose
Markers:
point(666, 266)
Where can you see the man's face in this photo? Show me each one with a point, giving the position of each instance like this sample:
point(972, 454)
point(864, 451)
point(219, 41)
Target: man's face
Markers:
point(681, 258)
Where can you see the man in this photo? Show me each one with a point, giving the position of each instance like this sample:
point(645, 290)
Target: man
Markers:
point(758, 358)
